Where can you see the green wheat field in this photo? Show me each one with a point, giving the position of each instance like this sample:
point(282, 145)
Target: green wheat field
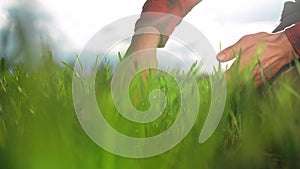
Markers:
point(39, 129)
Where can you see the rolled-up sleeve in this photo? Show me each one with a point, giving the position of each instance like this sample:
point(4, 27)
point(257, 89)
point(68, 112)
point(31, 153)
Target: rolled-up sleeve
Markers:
point(164, 15)
point(293, 34)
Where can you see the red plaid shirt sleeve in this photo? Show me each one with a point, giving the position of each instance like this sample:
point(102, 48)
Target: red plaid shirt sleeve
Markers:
point(159, 14)
point(293, 34)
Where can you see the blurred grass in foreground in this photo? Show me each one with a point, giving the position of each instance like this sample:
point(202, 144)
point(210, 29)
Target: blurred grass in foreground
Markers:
point(39, 127)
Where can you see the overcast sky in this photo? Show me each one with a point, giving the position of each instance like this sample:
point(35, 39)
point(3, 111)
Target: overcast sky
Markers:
point(223, 21)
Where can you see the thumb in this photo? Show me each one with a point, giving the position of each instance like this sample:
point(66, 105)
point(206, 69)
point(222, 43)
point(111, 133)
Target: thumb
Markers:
point(229, 53)
point(226, 54)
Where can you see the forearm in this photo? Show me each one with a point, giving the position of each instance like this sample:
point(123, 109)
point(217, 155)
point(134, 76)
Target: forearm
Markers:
point(164, 15)
point(144, 38)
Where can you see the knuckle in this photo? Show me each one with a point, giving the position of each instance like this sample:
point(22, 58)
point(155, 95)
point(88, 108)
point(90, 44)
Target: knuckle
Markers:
point(261, 33)
point(246, 37)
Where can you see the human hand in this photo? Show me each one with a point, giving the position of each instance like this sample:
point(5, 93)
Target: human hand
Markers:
point(142, 50)
point(273, 51)
point(140, 57)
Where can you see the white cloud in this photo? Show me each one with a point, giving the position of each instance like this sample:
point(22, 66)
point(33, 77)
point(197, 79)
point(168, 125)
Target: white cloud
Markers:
point(227, 21)
point(80, 19)
point(2, 18)
point(221, 21)
point(243, 11)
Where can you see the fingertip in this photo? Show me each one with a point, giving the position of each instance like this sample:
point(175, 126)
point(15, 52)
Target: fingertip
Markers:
point(225, 55)
point(221, 57)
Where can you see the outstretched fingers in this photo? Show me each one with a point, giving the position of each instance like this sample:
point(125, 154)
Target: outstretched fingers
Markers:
point(242, 45)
